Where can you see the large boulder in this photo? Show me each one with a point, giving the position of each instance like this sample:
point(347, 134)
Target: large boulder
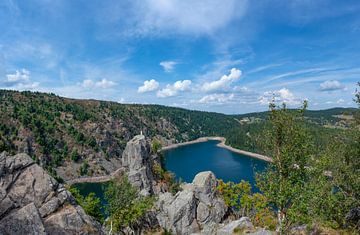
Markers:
point(32, 202)
point(211, 207)
point(137, 161)
point(193, 209)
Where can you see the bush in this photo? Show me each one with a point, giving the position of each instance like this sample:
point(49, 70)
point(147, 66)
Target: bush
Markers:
point(155, 146)
point(125, 207)
point(91, 204)
point(84, 168)
point(75, 157)
point(243, 202)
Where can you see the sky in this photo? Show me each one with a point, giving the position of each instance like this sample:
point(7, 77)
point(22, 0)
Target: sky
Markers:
point(228, 56)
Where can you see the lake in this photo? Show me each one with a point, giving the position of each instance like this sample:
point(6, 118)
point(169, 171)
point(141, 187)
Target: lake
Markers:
point(188, 160)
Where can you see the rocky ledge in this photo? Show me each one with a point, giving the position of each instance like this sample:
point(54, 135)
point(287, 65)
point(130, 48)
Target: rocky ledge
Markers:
point(32, 202)
point(192, 209)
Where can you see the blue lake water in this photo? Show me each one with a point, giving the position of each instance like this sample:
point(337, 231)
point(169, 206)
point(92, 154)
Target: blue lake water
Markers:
point(188, 160)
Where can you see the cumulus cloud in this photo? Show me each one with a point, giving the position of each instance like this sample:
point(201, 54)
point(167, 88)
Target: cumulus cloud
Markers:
point(174, 89)
point(224, 82)
point(168, 66)
point(18, 76)
point(150, 85)
point(283, 95)
point(20, 80)
point(216, 98)
point(331, 85)
point(103, 84)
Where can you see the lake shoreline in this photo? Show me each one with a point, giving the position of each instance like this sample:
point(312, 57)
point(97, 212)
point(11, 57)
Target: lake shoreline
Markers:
point(96, 179)
point(106, 178)
point(221, 145)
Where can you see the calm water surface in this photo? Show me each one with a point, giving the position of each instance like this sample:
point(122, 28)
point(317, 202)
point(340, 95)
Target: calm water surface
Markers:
point(186, 161)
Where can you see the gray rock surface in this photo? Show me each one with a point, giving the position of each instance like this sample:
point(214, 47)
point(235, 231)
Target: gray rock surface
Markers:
point(32, 202)
point(137, 161)
point(194, 208)
point(243, 225)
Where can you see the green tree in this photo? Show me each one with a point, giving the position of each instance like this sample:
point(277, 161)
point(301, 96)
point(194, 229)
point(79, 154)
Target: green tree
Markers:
point(125, 206)
point(91, 204)
point(84, 168)
point(155, 146)
point(75, 156)
point(284, 181)
point(338, 190)
point(242, 202)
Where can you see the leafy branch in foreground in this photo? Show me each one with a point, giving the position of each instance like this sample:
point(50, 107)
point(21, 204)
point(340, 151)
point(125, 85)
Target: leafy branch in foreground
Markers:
point(125, 206)
point(91, 204)
point(242, 202)
point(285, 180)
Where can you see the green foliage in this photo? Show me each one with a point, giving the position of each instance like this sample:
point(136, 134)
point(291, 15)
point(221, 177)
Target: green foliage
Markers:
point(338, 191)
point(125, 206)
point(167, 178)
point(91, 204)
point(155, 146)
point(242, 202)
point(75, 156)
point(284, 182)
point(84, 168)
point(54, 174)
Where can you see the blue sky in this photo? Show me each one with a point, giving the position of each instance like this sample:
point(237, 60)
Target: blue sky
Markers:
point(229, 56)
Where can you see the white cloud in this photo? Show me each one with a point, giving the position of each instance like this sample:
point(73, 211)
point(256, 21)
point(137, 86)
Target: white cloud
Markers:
point(224, 82)
point(185, 16)
point(331, 85)
point(340, 101)
point(150, 85)
point(283, 96)
point(18, 76)
point(20, 80)
point(216, 98)
point(173, 90)
point(103, 84)
point(168, 66)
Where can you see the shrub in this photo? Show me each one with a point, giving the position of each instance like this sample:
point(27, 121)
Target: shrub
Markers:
point(75, 156)
point(125, 207)
point(91, 204)
point(84, 168)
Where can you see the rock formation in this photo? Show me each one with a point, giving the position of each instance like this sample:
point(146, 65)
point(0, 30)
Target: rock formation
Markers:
point(194, 208)
point(32, 202)
point(137, 161)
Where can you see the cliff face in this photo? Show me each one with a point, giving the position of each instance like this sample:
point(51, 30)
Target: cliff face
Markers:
point(138, 162)
point(32, 202)
point(195, 207)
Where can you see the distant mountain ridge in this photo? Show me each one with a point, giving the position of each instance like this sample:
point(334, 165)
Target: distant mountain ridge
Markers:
point(71, 137)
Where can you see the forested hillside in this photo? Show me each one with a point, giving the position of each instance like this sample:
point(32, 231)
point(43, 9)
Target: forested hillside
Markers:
point(86, 137)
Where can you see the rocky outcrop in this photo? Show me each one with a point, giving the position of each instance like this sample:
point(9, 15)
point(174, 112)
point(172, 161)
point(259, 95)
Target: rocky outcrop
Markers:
point(243, 225)
point(32, 202)
point(194, 208)
point(137, 161)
